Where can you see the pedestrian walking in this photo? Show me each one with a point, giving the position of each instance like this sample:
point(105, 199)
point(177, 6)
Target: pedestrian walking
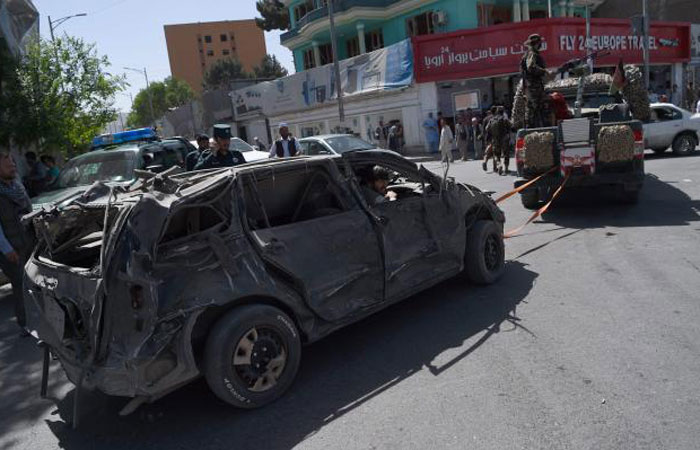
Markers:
point(15, 243)
point(499, 128)
point(447, 141)
point(477, 138)
point(221, 155)
point(286, 145)
point(488, 141)
point(462, 134)
point(432, 133)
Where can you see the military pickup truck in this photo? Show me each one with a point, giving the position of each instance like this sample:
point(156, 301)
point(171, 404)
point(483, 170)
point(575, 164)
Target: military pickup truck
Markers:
point(593, 152)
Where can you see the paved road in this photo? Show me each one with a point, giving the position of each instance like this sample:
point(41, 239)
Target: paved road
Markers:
point(590, 341)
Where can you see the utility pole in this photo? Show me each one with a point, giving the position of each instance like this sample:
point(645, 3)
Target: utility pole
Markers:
point(148, 91)
point(645, 19)
point(336, 65)
point(53, 24)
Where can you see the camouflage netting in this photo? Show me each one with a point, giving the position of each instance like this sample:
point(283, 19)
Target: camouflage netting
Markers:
point(615, 144)
point(635, 94)
point(596, 81)
point(519, 112)
point(538, 153)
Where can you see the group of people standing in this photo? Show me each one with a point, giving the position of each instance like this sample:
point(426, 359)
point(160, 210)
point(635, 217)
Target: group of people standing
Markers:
point(490, 138)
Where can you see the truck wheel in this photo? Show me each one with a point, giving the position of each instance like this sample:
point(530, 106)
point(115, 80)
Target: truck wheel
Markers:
point(484, 259)
point(252, 355)
point(684, 144)
point(530, 199)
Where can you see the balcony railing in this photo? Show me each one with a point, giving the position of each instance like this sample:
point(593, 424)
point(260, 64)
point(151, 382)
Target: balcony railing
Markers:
point(340, 6)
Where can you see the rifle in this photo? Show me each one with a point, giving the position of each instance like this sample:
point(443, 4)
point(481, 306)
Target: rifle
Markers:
point(576, 62)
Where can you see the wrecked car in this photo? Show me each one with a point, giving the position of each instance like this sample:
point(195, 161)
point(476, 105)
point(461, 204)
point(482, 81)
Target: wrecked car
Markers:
point(226, 273)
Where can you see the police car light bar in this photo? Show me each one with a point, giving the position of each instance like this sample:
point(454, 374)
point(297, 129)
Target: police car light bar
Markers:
point(141, 134)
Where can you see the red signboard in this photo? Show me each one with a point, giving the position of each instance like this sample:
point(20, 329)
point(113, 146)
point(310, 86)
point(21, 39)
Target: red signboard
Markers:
point(497, 50)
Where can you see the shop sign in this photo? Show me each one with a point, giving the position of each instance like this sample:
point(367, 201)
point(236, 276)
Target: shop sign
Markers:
point(497, 50)
point(387, 68)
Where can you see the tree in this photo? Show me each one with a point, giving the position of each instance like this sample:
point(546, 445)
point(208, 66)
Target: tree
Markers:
point(59, 96)
point(223, 73)
point(167, 94)
point(275, 15)
point(270, 67)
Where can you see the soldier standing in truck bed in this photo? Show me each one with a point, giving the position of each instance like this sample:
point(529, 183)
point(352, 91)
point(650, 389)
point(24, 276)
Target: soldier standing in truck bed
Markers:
point(534, 71)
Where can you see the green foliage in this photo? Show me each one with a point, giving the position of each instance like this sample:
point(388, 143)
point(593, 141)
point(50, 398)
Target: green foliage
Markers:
point(167, 94)
point(224, 72)
point(59, 95)
point(275, 15)
point(270, 67)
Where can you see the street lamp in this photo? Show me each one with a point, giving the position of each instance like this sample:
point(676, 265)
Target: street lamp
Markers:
point(53, 24)
point(150, 95)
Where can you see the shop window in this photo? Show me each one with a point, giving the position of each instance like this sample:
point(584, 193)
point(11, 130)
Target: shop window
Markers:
point(326, 52)
point(374, 40)
point(223, 37)
point(303, 9)
point(207, 39)
point(309, 59)
point(420, 24)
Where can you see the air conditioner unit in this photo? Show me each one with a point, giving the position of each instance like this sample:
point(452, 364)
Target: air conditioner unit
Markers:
point(439, 18)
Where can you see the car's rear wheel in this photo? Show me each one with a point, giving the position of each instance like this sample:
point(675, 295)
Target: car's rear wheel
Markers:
point(252, 355)
point(484, 259)
point(684, 144)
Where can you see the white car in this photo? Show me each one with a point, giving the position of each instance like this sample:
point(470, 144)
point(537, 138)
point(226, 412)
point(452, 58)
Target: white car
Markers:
point(329, 144)
point(671, 126)
point(250, 153)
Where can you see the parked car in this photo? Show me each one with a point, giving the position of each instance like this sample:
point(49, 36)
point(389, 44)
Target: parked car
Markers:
point(277, 254)
point(674, 127)
point(114, 159)
point(250, 153)
point(332, 144)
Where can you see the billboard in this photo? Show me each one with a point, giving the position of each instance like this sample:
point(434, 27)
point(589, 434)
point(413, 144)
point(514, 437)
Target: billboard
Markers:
point(380, 70)
point(497, 50)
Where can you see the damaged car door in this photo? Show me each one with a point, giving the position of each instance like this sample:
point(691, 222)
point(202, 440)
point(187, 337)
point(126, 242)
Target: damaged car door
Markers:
point(307, 224)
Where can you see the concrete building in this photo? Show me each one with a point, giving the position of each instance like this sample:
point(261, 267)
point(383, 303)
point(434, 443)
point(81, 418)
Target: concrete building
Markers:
point(194, 47)
point(365, 25)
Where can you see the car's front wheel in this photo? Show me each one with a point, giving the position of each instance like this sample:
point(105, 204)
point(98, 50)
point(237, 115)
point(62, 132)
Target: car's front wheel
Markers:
point(684, 144)
point(484, 260)
point(252, 355)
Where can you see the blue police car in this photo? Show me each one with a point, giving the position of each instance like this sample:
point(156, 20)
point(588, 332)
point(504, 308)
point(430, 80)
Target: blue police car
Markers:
point(113, 159)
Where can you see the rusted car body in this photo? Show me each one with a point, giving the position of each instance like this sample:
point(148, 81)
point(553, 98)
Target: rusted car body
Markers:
point(127, 284)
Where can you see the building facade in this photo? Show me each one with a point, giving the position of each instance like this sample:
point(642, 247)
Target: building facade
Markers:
point(194, 47)
point(366, 25)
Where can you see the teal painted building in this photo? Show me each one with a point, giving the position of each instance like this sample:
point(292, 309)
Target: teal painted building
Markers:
point(365, 25)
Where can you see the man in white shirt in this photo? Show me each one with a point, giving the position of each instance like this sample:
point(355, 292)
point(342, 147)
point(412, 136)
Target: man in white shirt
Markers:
point(285, 146)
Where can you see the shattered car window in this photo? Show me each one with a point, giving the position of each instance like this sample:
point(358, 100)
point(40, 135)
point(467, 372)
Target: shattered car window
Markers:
point(97, 167)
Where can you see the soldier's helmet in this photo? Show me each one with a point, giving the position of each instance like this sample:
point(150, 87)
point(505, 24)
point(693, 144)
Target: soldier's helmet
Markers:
point(533, 40)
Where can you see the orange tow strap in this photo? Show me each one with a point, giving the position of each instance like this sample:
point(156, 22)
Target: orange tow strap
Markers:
point(539, 212)
point(524, 186)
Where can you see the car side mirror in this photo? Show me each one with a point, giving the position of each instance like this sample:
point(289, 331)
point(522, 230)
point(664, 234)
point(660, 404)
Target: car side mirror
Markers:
point(156, 168)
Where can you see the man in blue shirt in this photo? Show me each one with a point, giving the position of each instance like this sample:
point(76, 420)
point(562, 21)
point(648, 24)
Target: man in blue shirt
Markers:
point(432, 136)
point(15, 243)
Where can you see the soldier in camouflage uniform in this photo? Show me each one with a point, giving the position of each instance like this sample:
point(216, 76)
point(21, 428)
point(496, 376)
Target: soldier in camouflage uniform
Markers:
point(534, 72)
point(499, 130)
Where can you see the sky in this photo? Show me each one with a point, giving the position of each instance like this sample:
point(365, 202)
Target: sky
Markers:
point(130, 32)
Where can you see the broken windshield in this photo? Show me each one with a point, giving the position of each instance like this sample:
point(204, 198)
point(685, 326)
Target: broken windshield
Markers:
point(85, 170)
